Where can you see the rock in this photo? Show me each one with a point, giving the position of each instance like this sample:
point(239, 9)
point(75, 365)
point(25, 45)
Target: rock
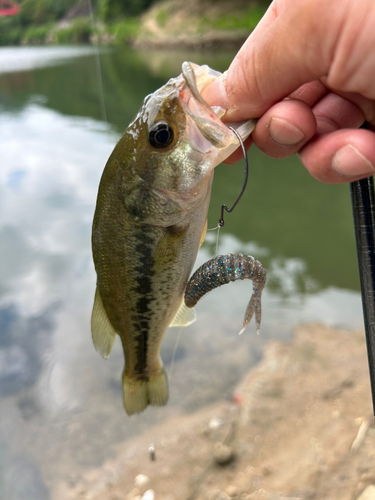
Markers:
point(218, 495)
point(134, 493)
point(141, 480)
point(368, 493)
point(232, 491)
point(223, 454)
point(149, 495)
point(215, 423)
point(258, 495)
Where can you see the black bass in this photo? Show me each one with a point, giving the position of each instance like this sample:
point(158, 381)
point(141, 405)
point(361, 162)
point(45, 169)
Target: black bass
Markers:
point(149, 222)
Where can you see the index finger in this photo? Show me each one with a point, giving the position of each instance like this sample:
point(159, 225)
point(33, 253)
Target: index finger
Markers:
point(275, 61)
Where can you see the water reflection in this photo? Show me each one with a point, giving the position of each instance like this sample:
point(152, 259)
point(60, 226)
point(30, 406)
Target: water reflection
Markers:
point(60, 403)
point(14, 59)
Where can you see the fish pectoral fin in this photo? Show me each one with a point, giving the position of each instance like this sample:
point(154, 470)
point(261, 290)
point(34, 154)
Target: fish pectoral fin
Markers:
point(103, 333)
point(185, 316)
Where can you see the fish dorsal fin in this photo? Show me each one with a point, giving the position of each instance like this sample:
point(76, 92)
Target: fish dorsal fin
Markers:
point(103, 333)
point(184, 317)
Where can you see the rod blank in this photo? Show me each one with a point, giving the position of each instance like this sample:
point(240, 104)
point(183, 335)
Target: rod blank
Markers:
point(362, 194)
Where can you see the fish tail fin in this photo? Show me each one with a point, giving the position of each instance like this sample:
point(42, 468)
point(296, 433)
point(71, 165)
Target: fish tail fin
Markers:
point(138, 394)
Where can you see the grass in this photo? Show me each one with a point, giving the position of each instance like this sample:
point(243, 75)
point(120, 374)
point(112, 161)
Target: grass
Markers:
point(246, 19)
point(124, 30)
point(37, 34)
point(162, 18)
point(79, 31)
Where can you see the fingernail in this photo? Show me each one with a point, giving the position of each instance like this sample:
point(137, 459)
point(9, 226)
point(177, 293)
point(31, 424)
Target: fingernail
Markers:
point(349, 161)
point(285, 133)
point(215, 93)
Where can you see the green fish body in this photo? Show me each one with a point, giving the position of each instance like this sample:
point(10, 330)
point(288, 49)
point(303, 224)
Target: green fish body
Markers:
point(149, 220)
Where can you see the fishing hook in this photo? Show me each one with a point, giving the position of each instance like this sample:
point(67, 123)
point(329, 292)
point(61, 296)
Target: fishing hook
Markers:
point(224, 207)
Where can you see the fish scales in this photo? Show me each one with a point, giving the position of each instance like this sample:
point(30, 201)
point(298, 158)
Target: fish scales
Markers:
point(149, 220)
point(223, 269)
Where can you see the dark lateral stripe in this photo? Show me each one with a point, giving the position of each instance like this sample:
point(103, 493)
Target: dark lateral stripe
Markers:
point(144, 250)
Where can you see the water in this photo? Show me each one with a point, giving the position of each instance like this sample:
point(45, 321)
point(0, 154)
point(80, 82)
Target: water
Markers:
point(60, 402)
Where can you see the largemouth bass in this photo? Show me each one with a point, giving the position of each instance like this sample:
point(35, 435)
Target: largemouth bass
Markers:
point(149, 222)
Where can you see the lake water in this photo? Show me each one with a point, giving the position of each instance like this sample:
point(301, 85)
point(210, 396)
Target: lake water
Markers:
point(60, 402)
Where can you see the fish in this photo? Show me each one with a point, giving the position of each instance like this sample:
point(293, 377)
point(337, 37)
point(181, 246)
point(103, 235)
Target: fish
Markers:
point(149, 222)
point(223, 269)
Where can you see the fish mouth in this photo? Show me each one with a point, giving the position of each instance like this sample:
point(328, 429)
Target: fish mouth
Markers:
point(205, 124)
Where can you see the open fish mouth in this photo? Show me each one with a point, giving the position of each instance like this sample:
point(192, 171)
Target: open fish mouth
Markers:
point(205, 124)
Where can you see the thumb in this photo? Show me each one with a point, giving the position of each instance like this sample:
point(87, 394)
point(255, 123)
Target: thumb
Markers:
point(295, 49)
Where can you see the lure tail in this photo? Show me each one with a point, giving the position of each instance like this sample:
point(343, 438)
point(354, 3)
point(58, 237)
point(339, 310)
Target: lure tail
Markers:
point(224, 269)
point(139, 393)
point(254, 306)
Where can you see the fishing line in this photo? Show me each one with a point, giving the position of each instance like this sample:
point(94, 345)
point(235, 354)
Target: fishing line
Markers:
point(98, 66)
point(170, 371)
point(217, 228)
point(217, 240)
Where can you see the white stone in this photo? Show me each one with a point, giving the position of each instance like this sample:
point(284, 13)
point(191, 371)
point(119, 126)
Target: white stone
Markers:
point(215, 423)
point(141, 480)
point(149, 495)
point(368, 493)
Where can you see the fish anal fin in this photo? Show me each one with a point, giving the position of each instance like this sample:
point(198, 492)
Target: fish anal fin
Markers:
point(103, 333)
point(138, 394)
point(184, 316)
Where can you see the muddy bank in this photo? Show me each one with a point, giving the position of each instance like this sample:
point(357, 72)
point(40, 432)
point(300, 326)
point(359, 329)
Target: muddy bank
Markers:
point(210, 40)
point(299, 426)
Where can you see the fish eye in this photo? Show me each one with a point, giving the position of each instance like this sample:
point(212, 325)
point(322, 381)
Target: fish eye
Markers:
point(161, 135)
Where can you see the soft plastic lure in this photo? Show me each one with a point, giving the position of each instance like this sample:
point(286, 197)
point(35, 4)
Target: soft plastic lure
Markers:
point(223, 269)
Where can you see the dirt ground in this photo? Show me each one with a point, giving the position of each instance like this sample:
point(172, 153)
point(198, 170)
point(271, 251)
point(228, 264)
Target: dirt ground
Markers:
point(299, 426)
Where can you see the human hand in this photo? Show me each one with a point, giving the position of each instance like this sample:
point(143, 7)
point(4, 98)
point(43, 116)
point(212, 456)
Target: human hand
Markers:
point(308, 72)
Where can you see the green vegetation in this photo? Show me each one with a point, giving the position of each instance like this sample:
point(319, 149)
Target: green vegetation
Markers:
point(79, 31)
point(109, 10)
point(35, 20)
point(118, 21)
point(247, 19)
point(124, 31)
point(37, 34)
point(162, 17)
point(38, 21)
point(38, 12)
point(10, 31)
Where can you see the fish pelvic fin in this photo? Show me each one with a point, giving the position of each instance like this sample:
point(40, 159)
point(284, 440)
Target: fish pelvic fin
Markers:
point(203, 234)
point(138, 394)
point(184, 316)
point(103, 333)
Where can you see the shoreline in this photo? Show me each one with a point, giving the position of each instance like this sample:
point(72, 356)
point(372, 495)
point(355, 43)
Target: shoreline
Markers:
point(214, 39)
point(300, 423)
point(206, 42)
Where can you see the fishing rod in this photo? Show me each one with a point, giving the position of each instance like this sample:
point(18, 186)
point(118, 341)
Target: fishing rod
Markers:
point(363, 206)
